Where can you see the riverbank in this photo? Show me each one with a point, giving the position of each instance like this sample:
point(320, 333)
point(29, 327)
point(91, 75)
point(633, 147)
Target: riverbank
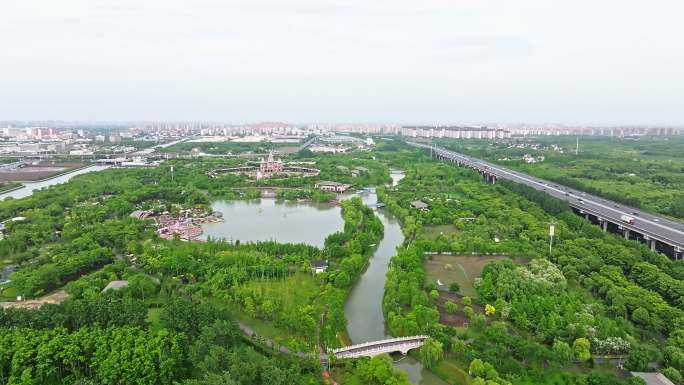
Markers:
point(363, 309)
point(29, 187)
point(14, 187)
point(49, 175)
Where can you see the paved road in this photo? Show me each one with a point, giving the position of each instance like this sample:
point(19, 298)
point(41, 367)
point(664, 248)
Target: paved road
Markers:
point(654, 226)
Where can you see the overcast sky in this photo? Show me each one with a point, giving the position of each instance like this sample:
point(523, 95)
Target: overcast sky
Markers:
point(406, 61)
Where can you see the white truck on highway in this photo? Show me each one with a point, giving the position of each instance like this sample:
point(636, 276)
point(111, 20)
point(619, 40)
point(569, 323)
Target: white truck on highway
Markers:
point(627, 219)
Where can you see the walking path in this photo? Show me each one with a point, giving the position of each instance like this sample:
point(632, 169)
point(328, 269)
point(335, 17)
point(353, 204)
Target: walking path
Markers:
point(247, 331)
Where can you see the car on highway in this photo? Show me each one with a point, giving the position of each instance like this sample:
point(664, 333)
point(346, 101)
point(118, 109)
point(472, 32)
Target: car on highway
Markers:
point(627, 219)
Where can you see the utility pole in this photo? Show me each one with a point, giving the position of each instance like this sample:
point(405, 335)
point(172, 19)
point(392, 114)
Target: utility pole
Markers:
point(577, 147)
point(552, 230)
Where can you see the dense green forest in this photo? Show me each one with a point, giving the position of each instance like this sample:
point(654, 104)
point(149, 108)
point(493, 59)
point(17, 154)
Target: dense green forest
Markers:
point(641, 172)
point(177, 321)
point(527, 317)
point(596, 295)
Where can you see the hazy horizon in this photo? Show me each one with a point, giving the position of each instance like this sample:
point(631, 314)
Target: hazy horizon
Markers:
point(62, 123)
point(431, 62)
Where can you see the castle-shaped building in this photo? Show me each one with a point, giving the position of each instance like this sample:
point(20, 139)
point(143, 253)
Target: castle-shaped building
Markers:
point(270, 165)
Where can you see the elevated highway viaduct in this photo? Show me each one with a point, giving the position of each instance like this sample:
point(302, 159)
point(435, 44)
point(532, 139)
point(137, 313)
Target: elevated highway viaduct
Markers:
point(659, 233)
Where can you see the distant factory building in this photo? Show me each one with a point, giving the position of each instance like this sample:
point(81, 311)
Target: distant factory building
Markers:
point(329, 149)
point(420, 205)
point(454, 132)
point(332, 186)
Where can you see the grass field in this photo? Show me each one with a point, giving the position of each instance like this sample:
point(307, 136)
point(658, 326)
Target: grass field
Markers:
point(296, 290)
point(458, 268)
point(9, 293)
point(450, 370)
point(432, 232)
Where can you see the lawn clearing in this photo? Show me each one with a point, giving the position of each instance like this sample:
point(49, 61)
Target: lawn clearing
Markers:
point(295, 290)
point(449, 369)
point(432, 232)
point(462, 269)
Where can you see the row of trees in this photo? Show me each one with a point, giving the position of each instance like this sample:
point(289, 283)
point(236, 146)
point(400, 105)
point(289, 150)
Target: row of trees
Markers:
point(104, 311)
point(109, 356)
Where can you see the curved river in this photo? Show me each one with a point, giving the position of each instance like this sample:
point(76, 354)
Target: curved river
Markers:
point(363, 310)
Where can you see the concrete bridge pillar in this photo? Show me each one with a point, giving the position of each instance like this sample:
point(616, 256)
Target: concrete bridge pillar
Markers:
point(604, 224)
point(652, 244)
point(626, 232)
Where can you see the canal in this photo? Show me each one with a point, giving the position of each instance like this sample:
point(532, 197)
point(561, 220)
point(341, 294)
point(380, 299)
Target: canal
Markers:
point(363, 310)
point(30, 187)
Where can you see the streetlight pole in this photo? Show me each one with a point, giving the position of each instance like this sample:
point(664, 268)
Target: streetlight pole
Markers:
point(552, 230)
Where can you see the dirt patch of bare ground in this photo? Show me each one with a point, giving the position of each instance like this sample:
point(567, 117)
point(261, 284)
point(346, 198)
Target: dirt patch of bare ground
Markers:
point(52, 298)
point(37, 172)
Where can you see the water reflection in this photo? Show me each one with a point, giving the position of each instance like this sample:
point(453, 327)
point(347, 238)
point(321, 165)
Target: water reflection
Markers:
point(267, 219)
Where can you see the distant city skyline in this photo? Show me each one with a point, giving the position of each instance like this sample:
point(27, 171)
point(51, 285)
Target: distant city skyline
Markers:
point(606, 63)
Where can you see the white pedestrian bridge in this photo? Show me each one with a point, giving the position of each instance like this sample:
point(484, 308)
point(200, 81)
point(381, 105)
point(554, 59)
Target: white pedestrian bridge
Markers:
point(374, 348)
